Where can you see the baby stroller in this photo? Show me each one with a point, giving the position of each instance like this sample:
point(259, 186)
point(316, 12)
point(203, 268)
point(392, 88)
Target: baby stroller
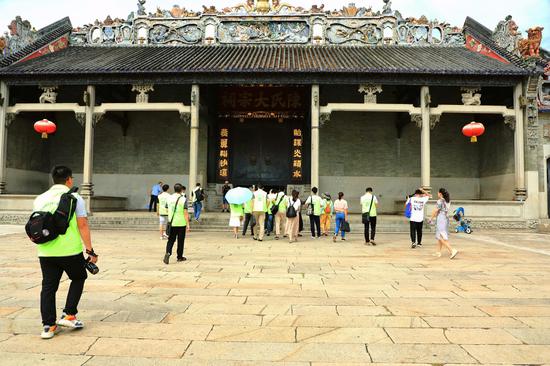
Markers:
point(463, 223)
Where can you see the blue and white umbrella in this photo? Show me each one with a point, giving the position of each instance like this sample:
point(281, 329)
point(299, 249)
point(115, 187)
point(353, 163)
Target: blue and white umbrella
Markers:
point(238, 195)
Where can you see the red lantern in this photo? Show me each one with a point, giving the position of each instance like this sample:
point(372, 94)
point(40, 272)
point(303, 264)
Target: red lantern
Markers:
point(473, 130)
point(45, 127)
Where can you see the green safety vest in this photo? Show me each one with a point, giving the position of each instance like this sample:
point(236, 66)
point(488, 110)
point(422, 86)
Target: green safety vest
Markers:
point(284, 202)
point(259, 200)
point(236, 210)
point(248, 207)
point(366, 204)
point(65, 245)
point(179, 213)
point(317, 203)
point(163, 203)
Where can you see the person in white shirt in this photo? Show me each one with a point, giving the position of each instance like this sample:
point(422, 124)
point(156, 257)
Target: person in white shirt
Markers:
point(163, 210)
point(293, 223)
point(369, 204)
point(418, 204)
point(341, 210)
point(259, 209)
point(314, 203)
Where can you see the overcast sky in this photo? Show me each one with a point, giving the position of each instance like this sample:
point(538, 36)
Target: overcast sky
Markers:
point(527, 13)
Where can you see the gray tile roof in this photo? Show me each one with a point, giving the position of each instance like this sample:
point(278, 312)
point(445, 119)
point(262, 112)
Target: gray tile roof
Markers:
point(433, 60)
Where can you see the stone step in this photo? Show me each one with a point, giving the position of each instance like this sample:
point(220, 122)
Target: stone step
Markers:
point(219, 222)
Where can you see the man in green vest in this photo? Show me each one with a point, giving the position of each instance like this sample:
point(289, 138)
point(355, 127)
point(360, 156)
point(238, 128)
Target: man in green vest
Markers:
point(63, 254)
point(248, 218)
point(178, 218)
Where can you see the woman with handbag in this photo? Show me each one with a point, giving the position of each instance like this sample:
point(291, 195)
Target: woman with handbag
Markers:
point(293, 220)
point(341, 210)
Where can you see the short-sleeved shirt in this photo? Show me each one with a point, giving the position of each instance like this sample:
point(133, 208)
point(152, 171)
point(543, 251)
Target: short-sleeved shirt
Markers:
point(176, 214)
point(366, 201)
point(155, 191)
point(260, 201)
point(225, 189)
point(163, 203)
point(317, 203)
point(340, 205)
point(417, 208)
point(236, 210)
point(297, 204)
point(80, 210)
point(282, 201)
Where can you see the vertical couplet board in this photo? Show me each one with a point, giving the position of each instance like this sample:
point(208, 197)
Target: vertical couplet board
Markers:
point(223, 153)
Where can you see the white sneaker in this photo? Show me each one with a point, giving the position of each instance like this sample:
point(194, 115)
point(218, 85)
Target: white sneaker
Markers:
point(437, 254)
point(49, 331)
point(70, 321)
point(454, 253)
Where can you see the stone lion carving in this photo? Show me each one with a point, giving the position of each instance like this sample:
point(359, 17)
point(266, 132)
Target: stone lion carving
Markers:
point(530, 47)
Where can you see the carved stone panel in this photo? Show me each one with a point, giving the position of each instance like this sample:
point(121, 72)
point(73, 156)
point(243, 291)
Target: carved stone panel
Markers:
point(367, 33)
point(165, 34)
point(263, 32)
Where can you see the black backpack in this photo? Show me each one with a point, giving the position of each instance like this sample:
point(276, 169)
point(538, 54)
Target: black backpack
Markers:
point(291, 211)
point(43, 227)
point(199, 195)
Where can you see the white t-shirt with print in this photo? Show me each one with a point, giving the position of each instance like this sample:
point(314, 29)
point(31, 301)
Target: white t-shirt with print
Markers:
point(417, 208)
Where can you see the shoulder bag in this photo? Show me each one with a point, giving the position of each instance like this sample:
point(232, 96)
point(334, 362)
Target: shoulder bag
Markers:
point(275, 208)
point(169, 225)
point(366, 215)
point(309, 210)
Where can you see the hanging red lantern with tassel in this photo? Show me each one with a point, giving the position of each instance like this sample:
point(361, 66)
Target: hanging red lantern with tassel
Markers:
point(473, 130)
point(45, 127)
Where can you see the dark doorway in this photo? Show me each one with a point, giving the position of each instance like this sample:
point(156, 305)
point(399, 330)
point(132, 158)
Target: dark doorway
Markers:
point(261, 152)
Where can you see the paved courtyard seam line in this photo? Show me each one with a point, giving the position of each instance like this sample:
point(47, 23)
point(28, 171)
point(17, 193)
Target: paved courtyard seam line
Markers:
point(497, 242)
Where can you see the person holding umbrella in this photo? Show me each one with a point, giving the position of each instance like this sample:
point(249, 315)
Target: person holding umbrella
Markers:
point(236, 198)
point(235, 218)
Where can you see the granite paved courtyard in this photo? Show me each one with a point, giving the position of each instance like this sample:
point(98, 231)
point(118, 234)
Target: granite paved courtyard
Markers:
point(241, 302)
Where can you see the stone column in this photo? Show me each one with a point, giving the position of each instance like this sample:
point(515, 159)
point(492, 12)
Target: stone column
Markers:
point(315, 136)
point(194, 140)
point(87, 187)
point(4, 102)
point(519, 146)
point(425, 164)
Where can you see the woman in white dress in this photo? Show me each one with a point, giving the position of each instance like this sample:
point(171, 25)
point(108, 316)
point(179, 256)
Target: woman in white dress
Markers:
point(237, 213)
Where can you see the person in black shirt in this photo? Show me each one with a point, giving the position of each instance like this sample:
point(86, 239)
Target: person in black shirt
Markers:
point(225, 205)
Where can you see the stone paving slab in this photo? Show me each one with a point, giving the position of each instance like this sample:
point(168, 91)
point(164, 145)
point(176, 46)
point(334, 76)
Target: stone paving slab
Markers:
point(315, 303)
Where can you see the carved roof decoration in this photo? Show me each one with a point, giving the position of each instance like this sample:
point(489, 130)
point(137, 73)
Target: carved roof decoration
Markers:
point(268, 21)
point(23, 41)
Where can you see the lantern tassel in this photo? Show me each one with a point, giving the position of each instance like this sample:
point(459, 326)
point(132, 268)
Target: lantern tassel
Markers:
point(44, 135)
point(473, 139)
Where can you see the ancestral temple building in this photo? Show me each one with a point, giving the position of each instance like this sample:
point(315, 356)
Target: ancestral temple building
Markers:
point(286, 96)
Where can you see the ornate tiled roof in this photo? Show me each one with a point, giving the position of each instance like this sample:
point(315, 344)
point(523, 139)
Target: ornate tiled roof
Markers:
point(434, 60)
point(38, 40)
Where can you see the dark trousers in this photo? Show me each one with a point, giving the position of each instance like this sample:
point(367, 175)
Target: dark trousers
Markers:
point(372, 225)
point(52, 270)
point(269, 224)
point(153, 203)
point(248, 219)
point(416, 232)
point(315, 223)
point(179, 233)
